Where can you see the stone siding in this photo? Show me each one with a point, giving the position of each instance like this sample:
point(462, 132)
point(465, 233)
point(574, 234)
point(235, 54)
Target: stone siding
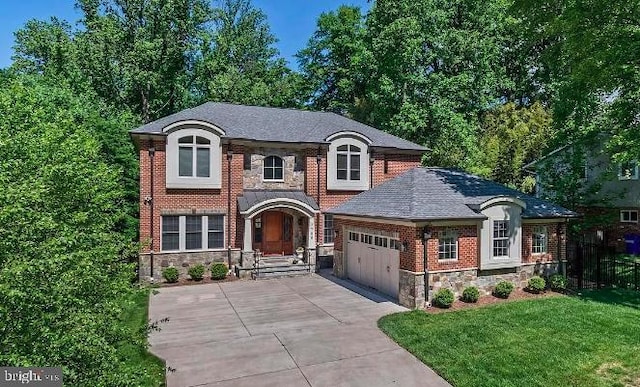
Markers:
point(293, 174)
point(486, 280)
point(182, 262)
point(411, 293)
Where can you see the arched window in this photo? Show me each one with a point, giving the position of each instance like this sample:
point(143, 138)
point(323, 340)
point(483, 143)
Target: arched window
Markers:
point(273, 168)
point(194, 156)
point(348, 162)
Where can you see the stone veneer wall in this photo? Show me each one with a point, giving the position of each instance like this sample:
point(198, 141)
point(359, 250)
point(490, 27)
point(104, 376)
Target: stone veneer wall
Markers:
point(411, 292)
point(486, 280)
point(293, 169)
point(182, 262)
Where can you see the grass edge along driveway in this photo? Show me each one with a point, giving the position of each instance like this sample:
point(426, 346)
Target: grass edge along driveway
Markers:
point(587, 340)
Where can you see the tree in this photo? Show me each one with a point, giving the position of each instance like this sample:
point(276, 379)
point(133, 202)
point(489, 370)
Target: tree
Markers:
point(513, 136)
point(334, 62)
point(238, 62)
point(591, 52)
point(63, 281)
point(437, 66)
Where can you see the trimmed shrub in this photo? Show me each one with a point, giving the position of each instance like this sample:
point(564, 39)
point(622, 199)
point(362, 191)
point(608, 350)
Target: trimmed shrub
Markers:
point(443, 298)
point(537, 284)
point(170, 274)
point(558, 282)
point(503, 289)
point(218, 271)
point(470, 294)
point(196, 272)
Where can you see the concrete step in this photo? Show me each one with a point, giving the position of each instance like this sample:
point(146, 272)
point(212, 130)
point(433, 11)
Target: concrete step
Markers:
point(265, 275)
point(278, 270)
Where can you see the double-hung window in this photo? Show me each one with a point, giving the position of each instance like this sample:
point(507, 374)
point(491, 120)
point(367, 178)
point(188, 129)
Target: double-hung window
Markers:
point(539, 240)
point(448, 245)
point(348, 162)
point(194, 156)
point(328, 228)
point(500, 238)
point(629, 216)
point(192, 232)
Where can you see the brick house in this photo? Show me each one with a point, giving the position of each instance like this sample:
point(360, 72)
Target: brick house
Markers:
point(220, 182)
point(431, 228)
point(227, 183)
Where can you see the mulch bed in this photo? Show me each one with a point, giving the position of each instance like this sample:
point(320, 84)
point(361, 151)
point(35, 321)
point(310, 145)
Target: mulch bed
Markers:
point(517, 294)
point(189, 281)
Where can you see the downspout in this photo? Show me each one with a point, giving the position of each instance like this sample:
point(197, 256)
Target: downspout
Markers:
point(371, 161)
point(152, 153)
point(229, 157)
point(318, 160)
point(425, 239)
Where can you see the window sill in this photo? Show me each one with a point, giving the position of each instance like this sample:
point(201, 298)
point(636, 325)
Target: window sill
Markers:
point(220, 249)
point(448, 260)
point(272, 181)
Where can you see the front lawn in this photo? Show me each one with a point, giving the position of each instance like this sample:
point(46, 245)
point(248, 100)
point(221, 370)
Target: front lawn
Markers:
point(591, 340)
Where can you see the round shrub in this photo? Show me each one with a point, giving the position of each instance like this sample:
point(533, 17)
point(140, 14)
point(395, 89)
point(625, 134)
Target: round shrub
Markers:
point(170, 274)
point(503, 289)
point(558, 282)
point(537, 284)
point(196, 272)
point(470, 294)
point(443, 298)
point(218, 271)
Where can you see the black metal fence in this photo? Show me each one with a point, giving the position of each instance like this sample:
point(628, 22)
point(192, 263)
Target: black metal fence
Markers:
point(593, 266)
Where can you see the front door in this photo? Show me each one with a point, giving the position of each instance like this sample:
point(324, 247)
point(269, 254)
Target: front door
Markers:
point(278, 233)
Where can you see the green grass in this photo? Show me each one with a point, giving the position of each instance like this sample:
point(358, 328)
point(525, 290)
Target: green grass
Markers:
point(589, 340)
point(151, 369)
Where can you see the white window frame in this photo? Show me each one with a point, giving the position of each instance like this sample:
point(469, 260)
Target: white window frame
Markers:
point(543, 234)
point(332, 164)
point(505, 237)
point(448, 238)
point(194, 146)
point(328, 236)
point(629, 214)
point(182, 238)
point(350, 167)
point(173, 178)
point(274, 167)
point(622, 175)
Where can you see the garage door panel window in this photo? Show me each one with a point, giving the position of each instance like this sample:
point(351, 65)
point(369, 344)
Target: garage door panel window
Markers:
point(448, 246)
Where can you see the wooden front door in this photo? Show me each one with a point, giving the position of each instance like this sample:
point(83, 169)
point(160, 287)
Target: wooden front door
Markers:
point(277, 233)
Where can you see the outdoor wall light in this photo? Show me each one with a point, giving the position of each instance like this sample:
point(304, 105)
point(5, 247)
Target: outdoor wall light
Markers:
point(426, 233)
point(404, 246)
point(335, 233)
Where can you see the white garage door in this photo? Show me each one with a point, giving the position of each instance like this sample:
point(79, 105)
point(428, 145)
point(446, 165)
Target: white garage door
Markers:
point(374, 261)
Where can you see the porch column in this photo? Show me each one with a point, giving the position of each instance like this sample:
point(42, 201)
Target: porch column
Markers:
point(311, 233)
point(248, 235)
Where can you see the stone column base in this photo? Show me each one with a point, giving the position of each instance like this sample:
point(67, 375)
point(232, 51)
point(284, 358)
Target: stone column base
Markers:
point(411, 294)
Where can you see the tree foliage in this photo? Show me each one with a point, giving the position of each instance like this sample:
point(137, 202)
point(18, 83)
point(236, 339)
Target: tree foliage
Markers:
point(62, 276)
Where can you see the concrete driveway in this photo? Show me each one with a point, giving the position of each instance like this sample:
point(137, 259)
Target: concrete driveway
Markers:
point(302, 331)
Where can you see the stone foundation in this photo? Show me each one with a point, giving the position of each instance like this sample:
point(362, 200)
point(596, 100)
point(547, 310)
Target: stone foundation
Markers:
point(411, 294)
point(486, 280)
point(182, 261)
point(338, 264)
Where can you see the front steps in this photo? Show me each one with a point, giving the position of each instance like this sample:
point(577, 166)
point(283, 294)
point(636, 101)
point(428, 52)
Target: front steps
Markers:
point(270, 267)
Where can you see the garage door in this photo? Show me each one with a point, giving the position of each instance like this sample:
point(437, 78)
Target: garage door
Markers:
point(374, 261)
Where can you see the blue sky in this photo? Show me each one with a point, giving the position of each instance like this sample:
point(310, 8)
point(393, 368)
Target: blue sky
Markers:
point(292, 21)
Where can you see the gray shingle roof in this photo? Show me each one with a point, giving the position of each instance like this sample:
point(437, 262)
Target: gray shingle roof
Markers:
point(250, 198)
point(434, 193)
point(277, 125)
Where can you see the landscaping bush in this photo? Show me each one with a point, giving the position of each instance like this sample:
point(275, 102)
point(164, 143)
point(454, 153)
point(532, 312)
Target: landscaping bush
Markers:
point(558, 282)
point(218, 271)
point(443, 298)
point(196, 272)
point(470, 294)
point(503, 289)
point(170, 274)
point(537, 284)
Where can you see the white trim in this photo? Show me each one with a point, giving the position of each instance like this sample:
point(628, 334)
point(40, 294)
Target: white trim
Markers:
point(178, 124)
point(503, 199)
point(375, 220)
point(279, 202)
point(630, 212)
point(204, 233)
point(350, 134)
point(633, 176)
point(173, 178)
point(333, 184)
point(274, 168)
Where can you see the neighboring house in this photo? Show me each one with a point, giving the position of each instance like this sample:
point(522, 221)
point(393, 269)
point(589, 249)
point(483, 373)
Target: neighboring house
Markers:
point(221, 181)
point(607, 194)
point(476, 232)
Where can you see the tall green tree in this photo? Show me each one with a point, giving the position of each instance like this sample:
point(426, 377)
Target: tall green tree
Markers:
point(591, 50)
point(437, 66)
point(334, 63)
point(63, 278)
point(238, 61)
